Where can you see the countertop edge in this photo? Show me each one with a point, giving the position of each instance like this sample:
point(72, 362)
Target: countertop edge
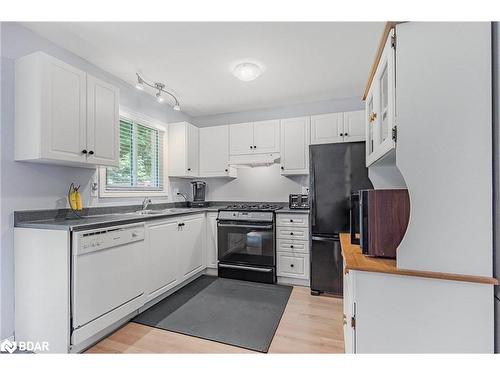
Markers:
point(388, 266)
point(119, 221)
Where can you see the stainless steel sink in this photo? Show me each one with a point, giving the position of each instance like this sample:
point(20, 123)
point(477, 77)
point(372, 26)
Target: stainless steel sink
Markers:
point(158, 212)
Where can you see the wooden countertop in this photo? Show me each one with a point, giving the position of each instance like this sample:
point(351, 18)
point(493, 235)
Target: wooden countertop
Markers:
point(355, 260)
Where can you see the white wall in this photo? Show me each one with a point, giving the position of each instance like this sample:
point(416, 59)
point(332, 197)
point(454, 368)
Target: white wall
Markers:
point(36, 186)
point(305, 109)
point(445, 151)
point(255, 184)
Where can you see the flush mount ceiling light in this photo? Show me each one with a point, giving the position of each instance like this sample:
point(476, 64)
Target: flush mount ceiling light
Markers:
point(247, 71)
point(160, 88)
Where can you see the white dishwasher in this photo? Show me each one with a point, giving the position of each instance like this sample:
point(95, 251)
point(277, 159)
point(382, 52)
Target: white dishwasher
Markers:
point(107, 282)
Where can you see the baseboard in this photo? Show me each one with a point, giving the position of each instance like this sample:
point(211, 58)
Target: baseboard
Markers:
point(292, 281)
point(211, 271)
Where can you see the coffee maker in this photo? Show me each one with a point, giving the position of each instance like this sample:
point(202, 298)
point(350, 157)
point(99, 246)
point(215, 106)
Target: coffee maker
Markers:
point(199, 188)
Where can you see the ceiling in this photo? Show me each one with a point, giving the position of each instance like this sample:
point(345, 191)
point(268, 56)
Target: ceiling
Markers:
point(304, 62)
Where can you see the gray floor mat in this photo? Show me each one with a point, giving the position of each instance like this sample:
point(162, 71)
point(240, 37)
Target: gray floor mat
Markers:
point(233, 312)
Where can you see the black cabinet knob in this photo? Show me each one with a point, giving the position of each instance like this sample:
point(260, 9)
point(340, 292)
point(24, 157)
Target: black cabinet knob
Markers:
point(254, 146)
point(84, 151)
point(291, 220)
point(282, 167)
point(251, 147)
point(189, 169)
point(291, 246)
point(291, 233)
point(341, 134)
point(91, 152)
point(226, 170)
point(346, 134)
point(291, 265)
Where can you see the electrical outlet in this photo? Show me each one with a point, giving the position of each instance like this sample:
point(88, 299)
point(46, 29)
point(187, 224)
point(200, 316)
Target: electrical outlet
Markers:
point(94, 187)
point(305, 190)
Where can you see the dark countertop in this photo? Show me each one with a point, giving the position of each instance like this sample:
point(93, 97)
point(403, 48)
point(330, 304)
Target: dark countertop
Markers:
point(112, 219)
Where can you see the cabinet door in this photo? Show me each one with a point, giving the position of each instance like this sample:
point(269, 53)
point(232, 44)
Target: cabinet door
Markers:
point(328, 128)
point(192, 149)
point(103, 121)
point(295, 146)
point(163, 240)
point(385, 77)
point(380, 106)
point(214, 151)
point(191, 250)
point(266, 136)
point(241, 139)
point(211, 240)
point(64, 114)
point(354, 126)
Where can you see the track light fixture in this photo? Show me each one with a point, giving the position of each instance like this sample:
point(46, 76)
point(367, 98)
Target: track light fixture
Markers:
point(160, 88)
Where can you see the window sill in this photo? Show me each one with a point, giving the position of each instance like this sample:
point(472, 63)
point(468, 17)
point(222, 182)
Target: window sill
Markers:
point(132, 194)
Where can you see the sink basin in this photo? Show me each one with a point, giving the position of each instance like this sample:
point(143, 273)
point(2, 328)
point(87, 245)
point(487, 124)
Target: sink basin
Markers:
point(158, 212)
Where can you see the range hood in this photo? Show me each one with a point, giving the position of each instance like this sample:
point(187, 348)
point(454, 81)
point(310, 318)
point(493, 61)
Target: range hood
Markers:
point(253, 160)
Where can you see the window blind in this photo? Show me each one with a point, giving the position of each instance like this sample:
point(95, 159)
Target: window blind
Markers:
point(141, 159)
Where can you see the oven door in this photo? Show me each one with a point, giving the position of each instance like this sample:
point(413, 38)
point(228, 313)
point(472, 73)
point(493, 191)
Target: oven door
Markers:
point(246, 243)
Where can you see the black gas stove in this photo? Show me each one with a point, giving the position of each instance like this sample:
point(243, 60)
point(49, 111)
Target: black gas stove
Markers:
point(246, 242)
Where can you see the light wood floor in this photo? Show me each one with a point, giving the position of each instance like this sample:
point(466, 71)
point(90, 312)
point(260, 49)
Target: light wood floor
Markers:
point(309, 325)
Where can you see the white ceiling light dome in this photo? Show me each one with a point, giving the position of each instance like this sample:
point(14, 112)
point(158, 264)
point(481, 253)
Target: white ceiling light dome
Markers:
point(247, 71)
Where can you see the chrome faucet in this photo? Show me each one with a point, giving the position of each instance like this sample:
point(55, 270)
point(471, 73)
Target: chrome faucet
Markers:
point(145, 203)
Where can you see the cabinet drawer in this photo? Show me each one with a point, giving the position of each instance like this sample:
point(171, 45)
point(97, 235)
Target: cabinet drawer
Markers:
point(292, 265)
point(292, 233)
point(294, 246)
point(292, 220)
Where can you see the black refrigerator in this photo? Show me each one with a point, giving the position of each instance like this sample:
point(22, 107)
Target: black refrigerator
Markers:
point(335, 171)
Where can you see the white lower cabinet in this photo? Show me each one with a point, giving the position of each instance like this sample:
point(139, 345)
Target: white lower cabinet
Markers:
point(175, 252)
point(211, 242)
point(292, 248)
point(162, 267)
point(191, 251)
point(348, 316)
point(293, 265)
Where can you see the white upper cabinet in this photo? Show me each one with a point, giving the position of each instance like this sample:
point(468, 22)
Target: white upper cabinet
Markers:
point(241, 138)
point(354, 126)
point(380, 106)
point(295, 146)
point(338, 127)
point(63, 115)
point(254, 137)
point(214, 152)
point(266, 136)
point(183, 150)
point(102, 109)
point(327, 128)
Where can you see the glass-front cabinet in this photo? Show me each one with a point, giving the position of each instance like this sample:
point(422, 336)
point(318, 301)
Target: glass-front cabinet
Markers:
point(380, 105)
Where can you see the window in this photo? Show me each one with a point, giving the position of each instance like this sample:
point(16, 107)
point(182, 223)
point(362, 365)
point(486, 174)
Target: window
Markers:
point(141, 166)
